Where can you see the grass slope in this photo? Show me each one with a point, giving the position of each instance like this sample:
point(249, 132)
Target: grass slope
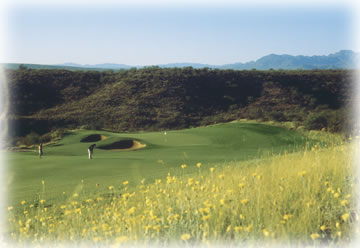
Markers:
point(65, 165)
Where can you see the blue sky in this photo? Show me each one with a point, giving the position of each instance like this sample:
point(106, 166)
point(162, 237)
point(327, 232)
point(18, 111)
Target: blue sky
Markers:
point(146, 35)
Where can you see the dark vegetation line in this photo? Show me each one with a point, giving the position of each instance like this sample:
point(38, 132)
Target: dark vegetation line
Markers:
point(175, 98)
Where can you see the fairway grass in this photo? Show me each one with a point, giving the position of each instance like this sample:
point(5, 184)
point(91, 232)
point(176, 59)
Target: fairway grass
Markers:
point(65, 165)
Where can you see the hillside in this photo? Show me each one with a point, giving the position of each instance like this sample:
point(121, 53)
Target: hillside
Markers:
point(155, 98)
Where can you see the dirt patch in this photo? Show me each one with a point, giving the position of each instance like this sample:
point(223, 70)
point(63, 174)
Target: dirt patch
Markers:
point(123, 145)
point(93, 138)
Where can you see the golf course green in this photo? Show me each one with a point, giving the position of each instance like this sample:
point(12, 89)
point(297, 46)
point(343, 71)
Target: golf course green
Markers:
point(118, 157)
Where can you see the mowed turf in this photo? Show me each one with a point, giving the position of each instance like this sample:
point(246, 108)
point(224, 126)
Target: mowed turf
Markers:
point(65, 166)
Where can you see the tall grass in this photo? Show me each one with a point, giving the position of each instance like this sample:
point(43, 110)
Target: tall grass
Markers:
point(303, 198)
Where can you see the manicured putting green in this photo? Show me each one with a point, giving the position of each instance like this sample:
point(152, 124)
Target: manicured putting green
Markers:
point(65, 166)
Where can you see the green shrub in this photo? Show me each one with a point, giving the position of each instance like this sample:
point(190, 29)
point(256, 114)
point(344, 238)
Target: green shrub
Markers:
point(316, 121)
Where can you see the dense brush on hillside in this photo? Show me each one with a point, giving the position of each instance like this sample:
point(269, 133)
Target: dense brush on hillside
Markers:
point(155, 98)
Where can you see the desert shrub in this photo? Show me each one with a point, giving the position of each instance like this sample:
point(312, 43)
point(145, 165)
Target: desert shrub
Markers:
point(277, 116)
point(31, 139)
point(255, 113)
point(316, 121)
point(332, 120)
point(45, 138)
point(57, 133)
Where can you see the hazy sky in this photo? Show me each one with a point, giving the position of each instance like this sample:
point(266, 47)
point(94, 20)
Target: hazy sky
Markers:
point(144, 34)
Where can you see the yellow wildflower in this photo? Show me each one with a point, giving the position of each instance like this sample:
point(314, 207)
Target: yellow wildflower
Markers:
point(323, 228)
point(205, 217)
point(345, 216)
point(190, 181)
point(302, 173)
point(23, 202)
point(198, 165)
point(42, 201)
point(344, 203)
point(126, 182)
point(131, 210)
point(249, 228)
point(111, 187)
point(183, 166)
point(238, 228)
point(287, 216)
point(310, 203)
point(314, 236)
point(67, 212)
point(185, 236)
point(244, 201)
point(266, 232)
point(212, 169)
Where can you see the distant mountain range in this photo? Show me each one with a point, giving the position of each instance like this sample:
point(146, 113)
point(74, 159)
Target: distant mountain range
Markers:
point(344, 59)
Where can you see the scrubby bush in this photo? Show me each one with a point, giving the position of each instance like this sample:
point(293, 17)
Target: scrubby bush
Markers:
point(316, 121)
point(45, 138)
point(332, 120)
point(277, 116)
point(32, 138)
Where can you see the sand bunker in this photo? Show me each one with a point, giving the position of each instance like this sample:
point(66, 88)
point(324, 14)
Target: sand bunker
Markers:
point(93, 138)
point(123, 145)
